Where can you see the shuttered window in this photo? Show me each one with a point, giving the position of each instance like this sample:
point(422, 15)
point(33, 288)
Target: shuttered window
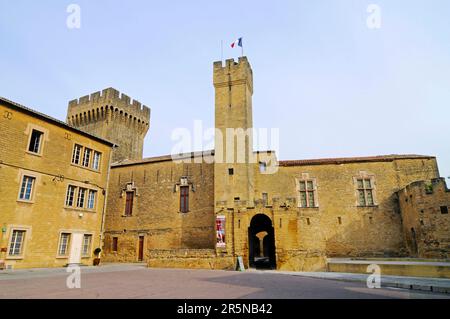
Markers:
point(184, 199)
point(129, 204)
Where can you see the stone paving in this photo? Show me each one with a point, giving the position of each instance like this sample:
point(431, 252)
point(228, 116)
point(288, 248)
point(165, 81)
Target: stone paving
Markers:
point(137, 281)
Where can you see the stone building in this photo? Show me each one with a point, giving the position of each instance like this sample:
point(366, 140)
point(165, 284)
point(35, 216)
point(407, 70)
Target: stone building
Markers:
point(53, 189)
point(207, 209)
point(146, 212)
point(204, 214)
point(425, 208)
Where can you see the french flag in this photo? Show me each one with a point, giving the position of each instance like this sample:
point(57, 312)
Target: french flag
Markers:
point(237, 42)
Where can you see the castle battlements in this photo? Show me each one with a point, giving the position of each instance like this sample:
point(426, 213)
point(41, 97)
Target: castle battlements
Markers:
point(233, 73)
point(231, 63)
point(115, 117)
point(109, 99)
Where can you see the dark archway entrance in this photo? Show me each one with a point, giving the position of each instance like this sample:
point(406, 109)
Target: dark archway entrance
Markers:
point(261, 243)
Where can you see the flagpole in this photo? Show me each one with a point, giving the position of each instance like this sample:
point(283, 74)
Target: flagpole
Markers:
point(221, 50)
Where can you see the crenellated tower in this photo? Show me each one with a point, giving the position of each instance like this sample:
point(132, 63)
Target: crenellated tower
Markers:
point(113, 116)
point(233, 169)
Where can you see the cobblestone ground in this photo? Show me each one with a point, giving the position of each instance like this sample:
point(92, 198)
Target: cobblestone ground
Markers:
point(136, 281)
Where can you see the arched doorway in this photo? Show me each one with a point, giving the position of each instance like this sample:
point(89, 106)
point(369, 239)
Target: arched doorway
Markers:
point(261, 240)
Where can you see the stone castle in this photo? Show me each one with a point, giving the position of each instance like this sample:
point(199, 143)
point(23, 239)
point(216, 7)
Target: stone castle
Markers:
point(203, 212)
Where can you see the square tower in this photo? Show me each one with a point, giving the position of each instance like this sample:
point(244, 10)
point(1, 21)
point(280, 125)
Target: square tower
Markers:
point(233, 169)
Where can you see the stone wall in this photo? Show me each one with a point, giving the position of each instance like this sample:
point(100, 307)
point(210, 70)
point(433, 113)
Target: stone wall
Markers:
point(156, 209)
point(426, 223)
point(346, 228)
point(338, 226)
point(189, 258)
point(45, 216)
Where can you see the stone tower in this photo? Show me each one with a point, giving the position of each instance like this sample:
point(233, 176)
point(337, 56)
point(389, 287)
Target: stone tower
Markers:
point(233, 169)
point(112, 116)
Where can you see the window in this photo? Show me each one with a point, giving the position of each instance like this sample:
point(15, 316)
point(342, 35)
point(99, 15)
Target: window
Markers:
point(231, 171)
point(365, 192)
point(63, 244)
point(91, 199)
point(129, 204)
point(184, 199)
point(81, 197)
point(86, 249)
point(444, 209)
point(76, 154)
point(70, 196)
point(115, 244)
point(265, 199)
point(86, 157)
point(96, 161)
point(26, 189)
point(16, 244)
point(307, 194)
point(35, 142)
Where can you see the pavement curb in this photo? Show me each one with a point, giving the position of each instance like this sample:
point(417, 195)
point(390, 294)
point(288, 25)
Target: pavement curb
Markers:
point(408, 283)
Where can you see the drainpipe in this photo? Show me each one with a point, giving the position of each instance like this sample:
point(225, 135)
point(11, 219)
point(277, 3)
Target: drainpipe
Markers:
point(105, 197)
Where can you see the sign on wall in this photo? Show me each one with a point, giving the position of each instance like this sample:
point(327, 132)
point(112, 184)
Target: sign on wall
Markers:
point(240, 264)
point(220, 231)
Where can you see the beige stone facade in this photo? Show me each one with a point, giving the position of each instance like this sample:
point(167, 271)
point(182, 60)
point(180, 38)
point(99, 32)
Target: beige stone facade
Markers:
point(296, 217)
point(156, 217)
point(336, 224)
point(210, 208)
point(39, 227)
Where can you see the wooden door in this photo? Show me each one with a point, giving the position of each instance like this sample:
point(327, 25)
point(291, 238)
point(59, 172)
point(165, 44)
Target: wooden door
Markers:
point(75, 248)
point(141, 248)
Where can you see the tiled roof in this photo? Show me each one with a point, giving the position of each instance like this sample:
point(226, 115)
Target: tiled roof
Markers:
point(345, 160)
point(163, 158)
point(47, 118)
point(321, 161)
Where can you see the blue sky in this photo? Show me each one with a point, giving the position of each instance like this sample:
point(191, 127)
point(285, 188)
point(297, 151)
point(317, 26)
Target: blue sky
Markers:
point(333, 86)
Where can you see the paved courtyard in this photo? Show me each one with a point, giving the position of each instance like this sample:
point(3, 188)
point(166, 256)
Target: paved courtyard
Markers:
point(137, 281)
